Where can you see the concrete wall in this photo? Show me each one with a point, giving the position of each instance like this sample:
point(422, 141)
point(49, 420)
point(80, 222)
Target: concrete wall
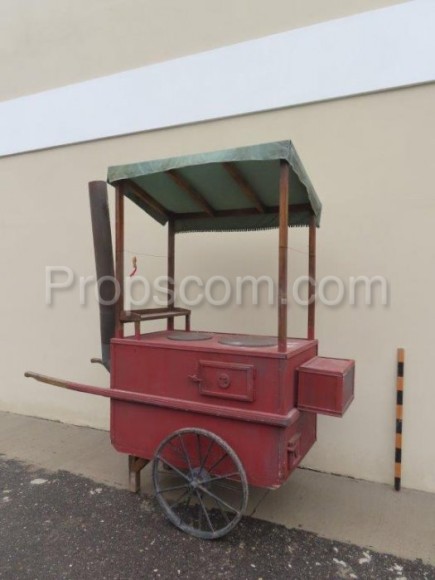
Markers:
point(369, 157)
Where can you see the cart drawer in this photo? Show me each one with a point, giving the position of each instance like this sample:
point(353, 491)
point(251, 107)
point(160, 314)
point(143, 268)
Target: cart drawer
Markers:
point(326, 385)
point(226, 380)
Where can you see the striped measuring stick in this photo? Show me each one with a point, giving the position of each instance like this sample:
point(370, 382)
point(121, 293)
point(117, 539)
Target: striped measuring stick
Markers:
point(399, 418)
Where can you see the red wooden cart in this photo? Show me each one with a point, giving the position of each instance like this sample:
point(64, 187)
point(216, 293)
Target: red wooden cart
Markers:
point(215, 412)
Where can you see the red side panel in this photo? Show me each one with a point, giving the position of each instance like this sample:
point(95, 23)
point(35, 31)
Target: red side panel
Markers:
point(244, 382)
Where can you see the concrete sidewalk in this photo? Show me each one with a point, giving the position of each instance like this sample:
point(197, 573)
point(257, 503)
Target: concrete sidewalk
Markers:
point(362, 513)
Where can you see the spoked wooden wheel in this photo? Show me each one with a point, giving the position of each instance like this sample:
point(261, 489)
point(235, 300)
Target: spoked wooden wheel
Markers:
point(200, 483)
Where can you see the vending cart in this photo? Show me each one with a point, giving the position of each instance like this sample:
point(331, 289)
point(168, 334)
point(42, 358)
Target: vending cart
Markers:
point(214, 412)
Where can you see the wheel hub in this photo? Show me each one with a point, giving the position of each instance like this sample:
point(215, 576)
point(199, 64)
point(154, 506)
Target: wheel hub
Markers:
point(199, 476)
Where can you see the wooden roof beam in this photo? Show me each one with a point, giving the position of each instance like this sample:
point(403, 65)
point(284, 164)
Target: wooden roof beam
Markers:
point(244, 186)
point(147, 199)
point(191, 191)
point(297, 208)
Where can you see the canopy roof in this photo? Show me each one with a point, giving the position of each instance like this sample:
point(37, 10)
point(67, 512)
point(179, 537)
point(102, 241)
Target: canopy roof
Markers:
point(234, 189)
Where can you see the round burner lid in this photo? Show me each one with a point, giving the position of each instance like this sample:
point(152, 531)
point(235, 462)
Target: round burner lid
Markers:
point(184, 335)
point(249, 341)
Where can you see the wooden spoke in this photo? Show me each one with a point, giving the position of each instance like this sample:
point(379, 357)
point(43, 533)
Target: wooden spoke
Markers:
point(175, 487)
point(186, 455)
point(202, 465)
point(180, 453)
point(173, 467)
point(223, 512)
point(215, 497)
point(219, 461)
point(180, 499)
point(219, 477)
point(207, 517)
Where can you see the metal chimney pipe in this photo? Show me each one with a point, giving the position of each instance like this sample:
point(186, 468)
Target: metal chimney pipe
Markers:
point(103, 251)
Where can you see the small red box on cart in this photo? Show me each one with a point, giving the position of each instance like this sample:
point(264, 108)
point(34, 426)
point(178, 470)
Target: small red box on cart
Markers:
point(326, 385)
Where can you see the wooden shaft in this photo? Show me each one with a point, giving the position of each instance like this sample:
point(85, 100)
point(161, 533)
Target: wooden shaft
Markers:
point(399, 418)
point(312, 277)
point(171, 270)
point(283, 253)
point(164, 402)
point(119, 260)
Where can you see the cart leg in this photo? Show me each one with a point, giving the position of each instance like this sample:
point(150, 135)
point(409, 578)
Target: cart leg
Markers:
point(135, 466)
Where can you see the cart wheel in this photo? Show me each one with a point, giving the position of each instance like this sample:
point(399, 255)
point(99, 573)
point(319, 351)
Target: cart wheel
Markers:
point(200, 483)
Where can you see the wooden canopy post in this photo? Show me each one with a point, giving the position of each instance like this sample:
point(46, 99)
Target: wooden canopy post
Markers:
point(119, 266)
point(171, 270)
point(284, 179)
point(312, 278)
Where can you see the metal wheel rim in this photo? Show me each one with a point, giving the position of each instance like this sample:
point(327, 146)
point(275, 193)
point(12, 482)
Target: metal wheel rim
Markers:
point(201, 481)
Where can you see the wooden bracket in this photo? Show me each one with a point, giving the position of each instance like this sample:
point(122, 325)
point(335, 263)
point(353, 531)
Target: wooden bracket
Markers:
point(135, 466)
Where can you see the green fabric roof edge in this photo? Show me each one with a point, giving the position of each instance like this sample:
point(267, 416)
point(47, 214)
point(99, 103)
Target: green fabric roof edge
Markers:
point(275, 151)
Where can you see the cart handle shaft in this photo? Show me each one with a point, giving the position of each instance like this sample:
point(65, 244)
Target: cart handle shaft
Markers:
point(71, 385)
point(176, 404)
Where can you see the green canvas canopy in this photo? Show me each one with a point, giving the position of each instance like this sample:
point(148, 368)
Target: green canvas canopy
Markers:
point(230, 190)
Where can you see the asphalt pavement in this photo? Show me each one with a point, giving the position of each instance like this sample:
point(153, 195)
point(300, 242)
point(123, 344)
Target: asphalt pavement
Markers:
point(56, 525)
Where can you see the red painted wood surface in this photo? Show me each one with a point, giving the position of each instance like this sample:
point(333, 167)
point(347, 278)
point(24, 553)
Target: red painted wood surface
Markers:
point(326, 385)
point(245, 395)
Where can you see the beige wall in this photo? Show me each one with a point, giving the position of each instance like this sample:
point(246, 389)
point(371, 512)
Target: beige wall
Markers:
point(370, 159)
point(50, 43)
point(371, 162)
